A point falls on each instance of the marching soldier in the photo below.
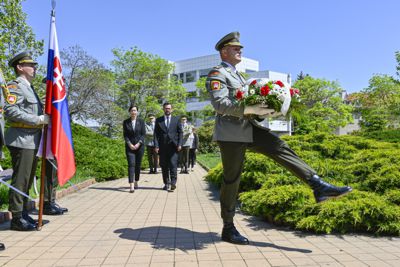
(235, 133)
(24, 111)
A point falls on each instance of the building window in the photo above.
(182, 77)
(190, 76)
(249, 71)
(204, 72)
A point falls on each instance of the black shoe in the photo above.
(231, 235)
(324, 191)
(61, 208)
(165, 187)
(20, 224)
(51, 209)
(28, 218)
(2, 247)
(173, 187)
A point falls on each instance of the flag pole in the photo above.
(44, 148)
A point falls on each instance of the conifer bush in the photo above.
(369, 166)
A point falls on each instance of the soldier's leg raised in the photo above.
(272, 146)
(232, 155)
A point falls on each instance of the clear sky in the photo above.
(340, 40)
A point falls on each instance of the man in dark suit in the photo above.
(168, 142)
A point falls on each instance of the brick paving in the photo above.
(108, 226)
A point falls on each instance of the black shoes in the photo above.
(2, 247)
(324, 191)
(166, 187)
(20, 224)
(28, 218)
(231, 235)
(50, 208)
(173, 187)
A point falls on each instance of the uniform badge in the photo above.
(214, 73)
(215, 85)
(11, 99)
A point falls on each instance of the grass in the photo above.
(209, 160)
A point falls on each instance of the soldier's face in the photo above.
(27, 69)
(232, 54)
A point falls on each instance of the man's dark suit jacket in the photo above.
(163, 136)
(134, 136)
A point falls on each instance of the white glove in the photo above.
(258, 109)
(44, 119)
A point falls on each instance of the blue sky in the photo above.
(340, 40)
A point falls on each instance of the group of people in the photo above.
(165, 138)
(170, 141)
(23, 110)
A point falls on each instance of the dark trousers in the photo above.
(152, 157)
(184, 157)
(134, 158)
(24, 163)
(51, 182)
(168, 163)
(192, 157)
(232, 154)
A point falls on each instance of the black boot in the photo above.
(28, 218)
(61, 208)
(2, 247)
(20, 224)
(50, 209)
(231, 235)
(324, 191)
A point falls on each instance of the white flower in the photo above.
(252, 92)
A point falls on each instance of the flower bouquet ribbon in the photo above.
(266, 98)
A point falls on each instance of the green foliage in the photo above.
(369, 166)
(325, 109)
(392, 136)
(15, 35)
(205, 134)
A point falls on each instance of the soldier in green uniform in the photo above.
(50, 207)
(24, 111)
(235, 133)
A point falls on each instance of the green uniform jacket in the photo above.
(230, 125)
(23, 107)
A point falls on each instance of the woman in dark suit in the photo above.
(134, 133)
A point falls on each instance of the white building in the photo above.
(190, 70)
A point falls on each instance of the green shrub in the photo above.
(205, 134)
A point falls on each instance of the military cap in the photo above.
(24, 57)
(229, 39)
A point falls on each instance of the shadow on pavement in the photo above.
(171, 238)
(124, 188)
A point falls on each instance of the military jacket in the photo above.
(22, 110)
(149, 137)
(230, 124)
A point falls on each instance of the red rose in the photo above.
(279, 83)
(239, 95)
(294, 91)
(264, 90)
(253, 82)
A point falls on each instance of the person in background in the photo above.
(235, 133)
(184, 153)
(24, 112)
(152, 156)
(134, 133)
(194, 144)
(168, 143)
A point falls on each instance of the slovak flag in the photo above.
(57, 107)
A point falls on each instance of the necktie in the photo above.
(167, 122)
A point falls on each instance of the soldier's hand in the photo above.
(44, 119)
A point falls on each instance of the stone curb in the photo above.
(6, 215)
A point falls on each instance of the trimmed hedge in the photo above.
(369, 166)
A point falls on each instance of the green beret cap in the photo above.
(229, 39)
(24, 57)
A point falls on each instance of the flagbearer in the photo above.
(50, 206)
(24, 112)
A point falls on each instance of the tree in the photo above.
(91, 90)
(145, 79)
(380, 106)
(15, 35)
(325, 109)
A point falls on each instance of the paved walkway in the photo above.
(107, 226)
